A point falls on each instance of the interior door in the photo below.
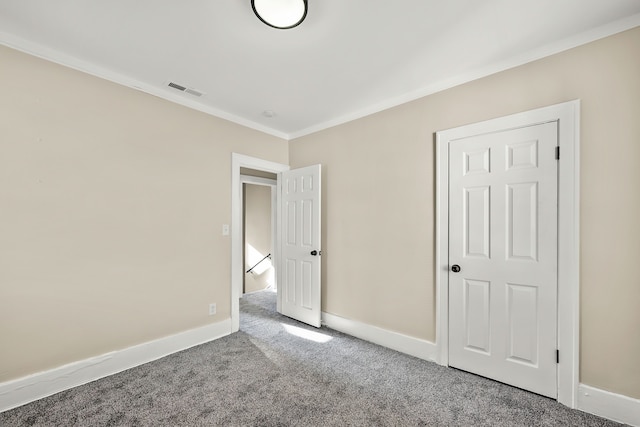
(503, 256)
(299, 273)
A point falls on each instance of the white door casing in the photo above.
(503, 238)
(300, 260)
(567, 115)
(239, 161)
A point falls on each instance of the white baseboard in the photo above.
(616, 407)
(416, 347)
(21, 391)
(33, 387)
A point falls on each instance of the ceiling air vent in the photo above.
(188, 90)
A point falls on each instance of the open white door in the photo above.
(299, 270)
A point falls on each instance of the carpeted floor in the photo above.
(277, 372)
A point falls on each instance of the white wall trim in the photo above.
(616, 407)
(248, 179)
(416, 347)
(496, 67)
(33, 387)
(72, 62)
(242, 161)
(568, 116)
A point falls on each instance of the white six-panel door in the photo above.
(503, 237)
(299, 273)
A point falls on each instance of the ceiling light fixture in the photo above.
(281, 14)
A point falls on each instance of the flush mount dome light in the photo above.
(281, 14)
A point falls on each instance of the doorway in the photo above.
(258, 231)
(297, 239)
(241, 162)
(565, 118)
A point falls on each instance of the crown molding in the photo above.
(72, 62)
(515, 61)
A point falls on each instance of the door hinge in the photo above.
(557, 356)
(558, 152)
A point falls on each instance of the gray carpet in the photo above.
(266, 376)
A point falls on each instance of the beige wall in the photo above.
(111, 203)
(378, 218)
(257, 235)
(111, 207)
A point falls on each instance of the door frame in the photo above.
(567, 115)
(242, 161)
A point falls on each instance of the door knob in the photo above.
(455, 268)
(314, 252)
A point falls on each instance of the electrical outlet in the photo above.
(212, 309)
(225, 229)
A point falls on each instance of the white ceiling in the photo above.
(349, 58)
